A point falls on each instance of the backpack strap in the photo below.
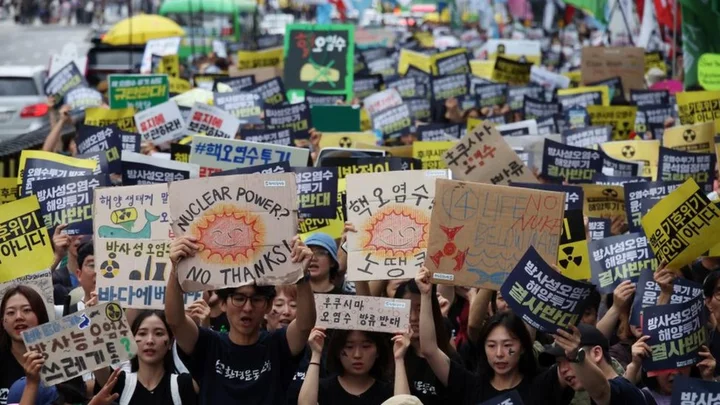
(129, 388)
(175, 390)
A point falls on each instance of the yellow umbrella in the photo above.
(143, 27)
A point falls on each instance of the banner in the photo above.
(80, 343)
(599, 228)
(40, 165)
(691, 138)
(244, 227)
(68, 201)
(619, 258)
(647, 294)
(138, 91)
(356, 312)
(161, 123)
(478, 232)
(295, 117)
(575, 165)
(108, 139)
(587, 137)
(542, 297)
(124, 118)
(132, 212)
(140, 169)
(317, 191)
(212, 121)
(41, 282)
(392, 216)
(218, 154)
(678, 166)
(25, 246)
(281, 137)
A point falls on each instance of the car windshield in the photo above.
(17, 86)
(109, 57)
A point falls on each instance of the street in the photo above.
(33, 45)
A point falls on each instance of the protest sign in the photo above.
(41, 165)
(206, 81)
(134, 272)
(8, 189)
(317, 190)
(60, 84)
(478, 232)
(132, 212)
(407, 87)
(573, 194)
(95, 139)
(382, 101)
(85, 341)
(547, 125)
(489, 94)
(649, 97)
(621, 118)
(392, 216)
(333, 227)
(246, 107)
(599, 63)
(180, 153)
(449, 86)
(365, 86)
(573, 257)
(437, 132)
(319, 58)
(69, 53)
(677, 166)
(124, 118)
(691, 138)
(587, 137)
(216, 154)
(356, 312)
(430, 153)
(695, 107)
(636, 192)
(482, 68)
(244, 227)
(81, 98)
(516, 95)
(101, 163)
(647, 293)
(620, 258)
(526, 127)
(535, 108)
(681, 225)
(650, 120)
(138, 91)
(420, 109)
(41, 282)
(485, 157)
(25, 245)
(676, 333)
(583, 97)
(280, 167)
(547, 79)
(410, 59)
(141, 169)
(708, 73)
(346, 139)
(647, 152)
(159, 47)
(574, 164)
(393, 122)
(169, 65)
(295, 117)
(161, 123)
(506, 398)
(212, 121)
(574, 117)
(690, 391)
(259, 59)
(281, 137)
(324, 99)
(603, 201)
(541, 296)
(353, 165)
(615, 88)
(511, 71)
(68, 201)
(599, 228)
(236, 84)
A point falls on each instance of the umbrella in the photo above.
(141, 28)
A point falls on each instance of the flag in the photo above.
(594, 7)
(699, 33)
(664, 12)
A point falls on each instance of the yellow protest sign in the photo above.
(511, 71)
(575, 78)
(332, 227)
(411, 58)
(430, 153)
(647, 152)
(170, 65)
(482, 68)
(124, 118)
(365, 123)
(8, 189)
(603, 201)
(655, 60)
(472, 123)
(425, 39)
(603, 90)
(445, 54)
(179, 86)
(573, 254)
(55, 161)
(708, 71)
(692, 138)
(621, 118)
(346, 139)
(272, 57)
(682, 226)
(25, 245)
(698, 106)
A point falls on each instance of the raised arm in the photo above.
(183, 327)
(300, 328)
(665, 277)
(621, 304)
(309, 391)
(640, 350)
(478, 313)
(401, 342)
(589, 374)
(439, 361)
(32, 365)
(51, 142)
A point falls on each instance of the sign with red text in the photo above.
(212, 121)
(160, 124)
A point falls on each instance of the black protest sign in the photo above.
(511, 71)
(420, 109)
(453, 64)
(246, 107)
(588, 136)
(385, 67)
(279, 167)
(348, 165)
(605, 180)
(364, 86)
(81, 98)
(141, 169)
(317, 191)
(574, 196)
(676, 333)
(101, 159)
(647, 293)
(649, 97)
(694, 391)
(636, 192)
(438, 132)
(374, 54)
(68, 201)
(64, 80)
(393, 122)
(650, 119)
(237, 83)
(615, 87)
(542, 297)
(274, 136)
(101, 139)
(580, 99)
(180, 153)
(516, 95)
(489, 95)
(468, 102)
(408, 87)
(575, 117)
(535, 108)
(621, 168)
(547, 125)
(619, 258)
(295, 117)
(43, 169)
(506, 398)
(599, 228)
(269, 41)
(576, 165)
(423, 78)
(678, 166)
(129, 141)
(270, 91)
(359, 64)
(449, 86)
(323, 99)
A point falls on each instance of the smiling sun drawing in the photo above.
(227, 235)
(396, 231)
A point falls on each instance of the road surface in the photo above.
(33, 44)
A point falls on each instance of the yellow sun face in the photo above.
(227, 235)
(396, 231)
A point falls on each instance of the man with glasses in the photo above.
(247, 365)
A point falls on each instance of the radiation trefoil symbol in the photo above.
(628, 151)
(569, 258)
(450, 249)
(109, 268)
(689, 135)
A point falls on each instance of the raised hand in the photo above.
(640, 350)
(182, 247)
(422, 279)
(316, 341)
(401, 342)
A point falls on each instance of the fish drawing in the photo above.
(107, 231)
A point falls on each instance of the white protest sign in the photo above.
(227, 154)
(547, 79)
(159, 47)
(160, 124)
(41, 282)
(357, 312)
(219, 48)
(212, 121)
(382, 101)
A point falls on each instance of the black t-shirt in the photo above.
(623, 392)
(220, 323)
(10, 371)
(422, 380)
(226, 372)
(162, 394)
(331, 392)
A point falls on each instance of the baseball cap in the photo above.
(324, 241)
(589, 336)
(45, 395)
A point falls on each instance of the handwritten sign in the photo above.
(708, 71)
(620, 258)
(219, 154)
(41, 282)
(161, 123)
(356, 312)
(132, 212)
(599, 63)
(80, 343)
(24, 241)
(244, 226)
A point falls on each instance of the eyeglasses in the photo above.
(256, 301)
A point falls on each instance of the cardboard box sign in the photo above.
(357, 312)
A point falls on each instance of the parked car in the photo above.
(23, 104)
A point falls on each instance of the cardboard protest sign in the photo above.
(574, 164)
(599, 228)
(437, 132)
(647, 152)
(141, 169)
(246, 107)
(159, 47)
(244, 226)
(587, 137)
(60, 84)
(583, 97)
(295, 117)
(621, 118)
(620, 258)
(132, 212)
(138, 91)
(317, 190)
(134, 272)
(8, 189)
(25, 246)
(236, 84)
(356, 312)
(258, 59)
(677, 166)
(346, 139)
(281, 137)
(599, 63)
(319, 57)
(80, 343)
(393, 122)
(161, 123)
(478, 232)
(212, 121)
(216, 154)
(691, 138)
(95, 139)
(676, 333)
(430, 153)
(39, 165)
(68, 201)
(681, 225)
(542, 297)
(647, 293)
(280, 167)
(649, 97)
(688, 391)
(485, 157)
(506, 398)
(603, 201)
(124, 118)
(636, 192)
(392, 216)
(41, 282)
(449, 86)
(695, 107)
(511, 71)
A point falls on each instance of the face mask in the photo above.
(556, 48)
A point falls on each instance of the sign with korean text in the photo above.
(212, 121)
(138, 91)
(68, 201)
(356, 312)
(317, 190)
(650, 120)
(449, 86)
(39, 165)
(646, 152)
(383, 100)
(649, 97)
(636, 192)
(41, 282)
(141, 169)
(677, 166)
(271, 92)
(60, 84)
(295, 117)
(364, 86)
(333, 227)
(647, 293)
(431, 153)
(687, 390)
(573, 257)
(96, 139)
(437, 132)
(619, 258)
(490, 95)
(452, 64)
(393, 122)
(236, 84)
(621, 118)
(574, 164)
(511, 71)
(123, 118)
(536, 108)
(159, 47)
(80, 98)
(603, 201)
(280, 167)
(698, 106)
(272, 57)
(246, 107)
(25, 245)
(516, 95)
(132, 212)
(8, 189)
(161, 123)
(407, 87)
(691, 138)
(583, 97)
(588, 136)
(281, 137)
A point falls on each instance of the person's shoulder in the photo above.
(622, 389)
